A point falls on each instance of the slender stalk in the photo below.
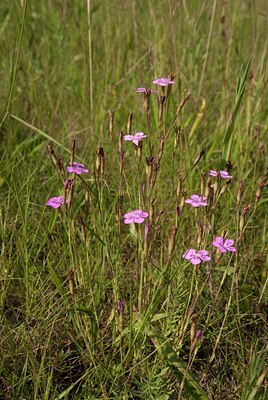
(89, 23)
(15, 69)
(207, 48)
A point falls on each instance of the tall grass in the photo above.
(91, 307)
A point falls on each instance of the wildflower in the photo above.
(144, 90)
(135, 138)
(163, 82)
(56, 202)
(137, 216)
(224, 245)
(76, 168)
(196, 257)
(196, 201)
(223, 174)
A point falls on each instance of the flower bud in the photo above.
(171, 242)
(129, 122)
(111, 122)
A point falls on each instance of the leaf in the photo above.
(93, 322)
(223, 268)
(157, 317)
(42, 133)
(256, 373)
(179, 368)
(229, 133)
(198, 118)
(85, 310)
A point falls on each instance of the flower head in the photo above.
(76, 168)
(135, 138)
(196, 257)
(56, 202)
(136, 216)
(224, 245)
(163, 82)
(196, 201)
(223, 174)
(145, 90)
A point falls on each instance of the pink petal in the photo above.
(141, 90)
(138, 220)
(195, 260)
(219, 240)
(163, 81)
(213, 173)
(225, 175)
(140, 135)
(128, 215)
(188, 201)
(128, 221)
(221, 248)
(195, 204)
(137, 212)
(195, 197)
(55, 202)
(232, 249)
(229, 242)
(144, 214)
(129, 138)
(189, 254)
(203, 254)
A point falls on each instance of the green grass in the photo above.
(63, 66)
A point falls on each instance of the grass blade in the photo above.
(179, 368)
(230, 130)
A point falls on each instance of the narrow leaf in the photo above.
(179, 369)
(230, 130)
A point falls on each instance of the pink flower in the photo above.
(136, 216)
(163, 82)
(135, 138)
(56, 202)
(196, 201)
(76, 168)
(224, 245)
(196, 257)
(223, 174)
(144, 90)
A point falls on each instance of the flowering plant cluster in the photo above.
(223, 245)
(138, 216)
(75, 168)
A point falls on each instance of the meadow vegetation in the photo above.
(169, 302)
